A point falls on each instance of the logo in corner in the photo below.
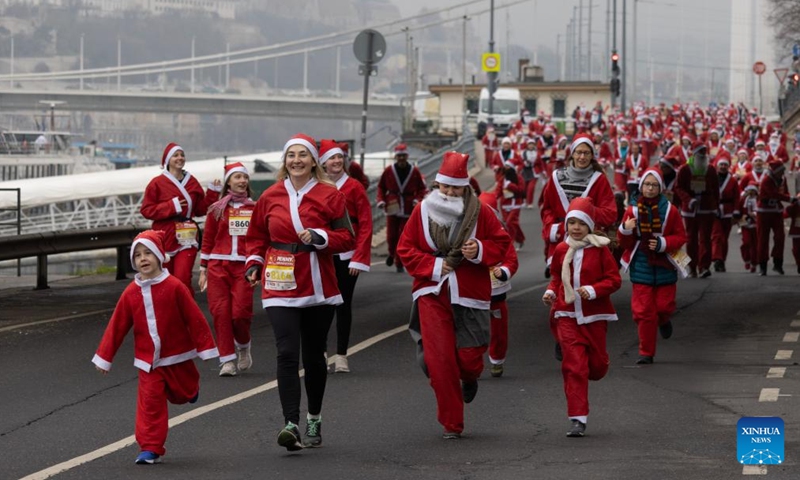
(759, 441)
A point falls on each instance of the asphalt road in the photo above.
(674, 419)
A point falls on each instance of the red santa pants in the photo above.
(720, 233)
(585, 358)
(651, 307)
(766, 222)
(511, 219)
(176, 384)
(447, 364)
(749, 247)
(498, 346)
(698, 245)
(530, 190)
(394, 228)
(181, 266)
(230, 300)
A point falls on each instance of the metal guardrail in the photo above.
(40, 245)
(13, 223)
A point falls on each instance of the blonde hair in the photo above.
(316, 170)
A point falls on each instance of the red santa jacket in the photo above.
(161, 204)
(593, 268)
(746, 211)
(555, 205)
(224, 238)
(490, 145)
(635, 167)
(514, 158)
(407, 193)
(469, 283)
(779, 153)
(357, 173)
(792, 212)
(360, 212)
(306, 276)
(770, 195)
(530, 159)
(672, 237)
(697, 193)
(680, 152)
(168, 326)
(752, 176)
(729, 194)
(740, 169)
(511, 194)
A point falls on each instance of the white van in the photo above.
(506, 109)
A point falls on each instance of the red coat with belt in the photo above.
(161, 204)
(699, 194)
(406, 193)
(280, 214)
(360, 212)
(729, 194)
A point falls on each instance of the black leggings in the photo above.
(344, 312)
(292, 327)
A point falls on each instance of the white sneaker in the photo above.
(245, 359)
(341, 364)
(228, 369)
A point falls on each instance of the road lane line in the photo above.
(754, 470)
(784, 354)
(51, 320)
(795, 323)
(769, 394)
(776, 372)
(192, 414)
(526, 290)
(791, 336)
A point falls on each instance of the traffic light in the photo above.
(615, 63)
(795, 79)
(615, 86)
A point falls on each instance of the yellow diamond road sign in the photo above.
(491, 62)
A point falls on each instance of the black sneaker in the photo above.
(644, 360)
(778, 268)
(389, 261)
(705, 273)
(722, 267)
(559, 354)
(547, 272)
(451, 435)
(289, 437)
(666, 330)
(469, 390)
(399, 268)
(718, 266)
(313, 437)
(578, 429)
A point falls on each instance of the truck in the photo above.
(506, 110)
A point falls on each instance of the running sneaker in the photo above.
(469, 390)
(341, 364)
(666, 330)
(577, 429)
(289, 437)
(313, 433)
(497, 370)
(245, 359)
(228, 369)
(147, 457)
(451, 435)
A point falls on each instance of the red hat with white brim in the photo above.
(454, 171)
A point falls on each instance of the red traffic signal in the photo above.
(796, 78)
(615, 57)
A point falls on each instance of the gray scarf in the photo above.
(450, 239)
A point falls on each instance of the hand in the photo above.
(446, 269)
(253, 275)
(104, 372)
(548, 298)
(497, 272)
(217, 182)
(470, 249)
(630, 223)
(305, 236)
(652, 244)
(202, 281)
(182, 202)
(354, 272)
(584, 294)
(381, 205)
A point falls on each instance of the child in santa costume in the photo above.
(349, 264)
(746, 214)
(448, 246)
(651, 231)
(792, 212)
(222, 260)
(169, 330)
(172, 200)
(585, 275)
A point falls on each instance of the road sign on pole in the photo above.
(490, 62)
(796, 50)
(781, 73)
(759, 68)
(369, 48)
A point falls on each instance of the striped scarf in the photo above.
(649, 219)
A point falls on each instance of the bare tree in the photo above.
(784, 16)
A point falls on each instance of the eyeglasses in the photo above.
(650, 185)
(583, 153)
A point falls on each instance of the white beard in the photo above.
(444, 210)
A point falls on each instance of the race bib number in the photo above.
(279, 272)
(698, 185)
(681, 260)
(392, 207)
(239, 220)
(634, 175)
(714, 151)
(496, 282)
(186, 233)
(508, 194)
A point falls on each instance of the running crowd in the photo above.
(655, 191)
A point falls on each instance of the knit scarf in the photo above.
(649, 219)
(590, 239)
(450, 245)
(218, 207)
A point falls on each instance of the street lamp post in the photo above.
(491, 76)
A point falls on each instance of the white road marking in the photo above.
(784, 354)
(190, 415)
(795, 323)
(526, 290)
(754, 470)
(776, 372)
(51, 320)
(769, 395)
(791, 336)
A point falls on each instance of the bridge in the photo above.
(198, 103)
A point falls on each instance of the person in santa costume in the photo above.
(400, 188)
(636, 163)
(792, 213)
(620, 158)
(532, 169)
(298, 225)
(756, 174)
(169, 331)
(349, 264)
(650, 233)
(491, 144)
(745, 214)
(742, 165)
(582, 178)
(222, 260)
(506, 154)
(511, 190)
(771, 192)
(681, 151)
(697, 187)
(729, 194)
(172, 200)
(448, 246)
(585, 274)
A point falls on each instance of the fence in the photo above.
(15, 223)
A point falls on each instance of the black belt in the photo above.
(293, 247)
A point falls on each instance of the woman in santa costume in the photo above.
(222, 260)
(298, 225)
(620, 171)
(349, 264)
(169, 331)
(650, 233)
(636, 163)
(585, 274)
(532, 169)
(582, 178)
(171, 201)
(745, 213)
(448, 246)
